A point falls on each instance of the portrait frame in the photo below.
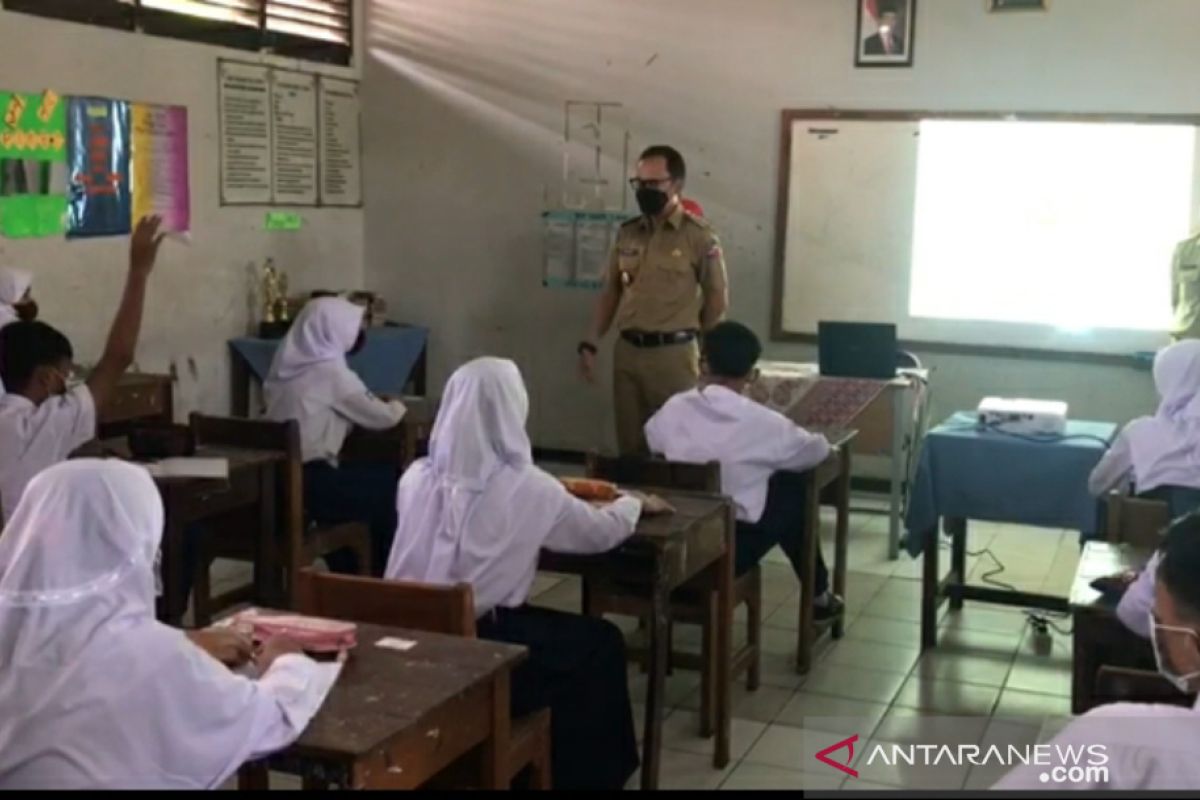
(875, 47)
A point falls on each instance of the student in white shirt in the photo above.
(1148, 747)
(41, 421)
(717, 422)
(311, 382)
(94, 693)
(478, 511)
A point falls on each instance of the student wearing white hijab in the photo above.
(311, 383)
(1158, 457)
(16, 300)
(1144, 747)
(478, 511)
(1163, 450)
(94, 693)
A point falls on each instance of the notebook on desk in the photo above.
(204, 468)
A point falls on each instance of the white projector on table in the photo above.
(1028, 417)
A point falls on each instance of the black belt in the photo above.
(644, 339)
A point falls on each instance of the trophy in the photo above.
(274, 302)
(271, 291)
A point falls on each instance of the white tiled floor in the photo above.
(988, 679)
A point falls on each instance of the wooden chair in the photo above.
(1136, 521)
(301, 543)
(1124, 685)
(694, 603)
(424, 607)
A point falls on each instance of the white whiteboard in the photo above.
(846, 244)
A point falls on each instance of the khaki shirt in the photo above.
(1185, 289)
(665, 273)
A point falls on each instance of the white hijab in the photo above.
(311, 363)
(1165, 448)
(14, 283)
(94, 693)
(480, 430)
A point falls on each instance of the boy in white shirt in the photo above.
(717, 422)
(41, 422)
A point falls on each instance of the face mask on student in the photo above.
(1182, 682)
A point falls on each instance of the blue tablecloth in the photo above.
(975, 474)
(385, 364)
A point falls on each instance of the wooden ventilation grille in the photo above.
(319, 20)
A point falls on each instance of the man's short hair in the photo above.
(25, 346)
(1179, 569)
(731, 350)
(676, 167)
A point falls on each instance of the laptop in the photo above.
(857, 349)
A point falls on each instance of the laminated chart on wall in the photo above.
(577, 247)
(160, 165)
(294, 138)
(99, 201)
(33, 164)
(341, 148)
(288, 138)
(244, 109)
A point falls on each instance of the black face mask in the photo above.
(27, 311)
(359, 344)
(652, 201)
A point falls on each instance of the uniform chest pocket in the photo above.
(629, 261)
(1189, 273)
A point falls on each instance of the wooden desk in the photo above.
(395, 719)
(138, 398)
(890, 425)
(829, 484)
(186, 501)
(664, 553)
(1098, 637)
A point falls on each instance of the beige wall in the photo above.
(464, 116)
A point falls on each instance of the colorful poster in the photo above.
(33, 153)
(159, 169)
(33, 127)
(99, 202)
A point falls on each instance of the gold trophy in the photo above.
(274, 302)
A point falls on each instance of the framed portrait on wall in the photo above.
(884, 33)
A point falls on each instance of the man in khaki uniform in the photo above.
(1185, 290)
(666, 284)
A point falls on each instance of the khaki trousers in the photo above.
(644, 378)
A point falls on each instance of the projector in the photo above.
(1028, 417)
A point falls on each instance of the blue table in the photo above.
(393, 358)
(968, 473)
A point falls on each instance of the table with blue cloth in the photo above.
(392, 363)
(967, 472)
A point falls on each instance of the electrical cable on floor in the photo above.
(1041, 620)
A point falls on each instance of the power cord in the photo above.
(1049, 438)
(1040, 620)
